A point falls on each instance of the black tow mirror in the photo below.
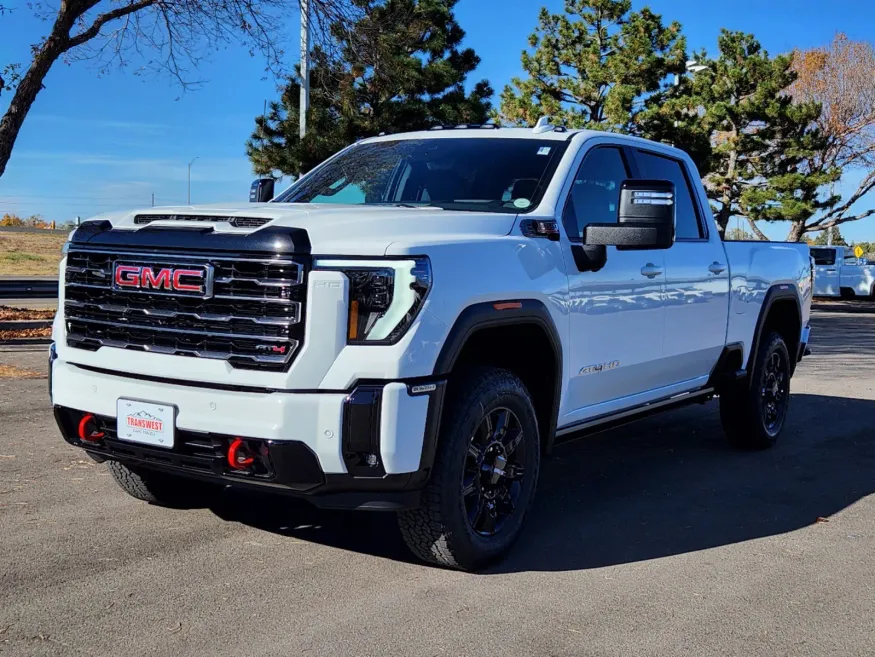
(261, 190)
(645, 218)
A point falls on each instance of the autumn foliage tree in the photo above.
(841, 78)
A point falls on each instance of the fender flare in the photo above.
(778, 292)
(497, 313)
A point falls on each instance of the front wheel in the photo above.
(160, 488)
(484, 477)
(753, 413)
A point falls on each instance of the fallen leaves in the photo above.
(13, 372)
(17, 334)
(12, 314)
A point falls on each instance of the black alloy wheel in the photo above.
(494, 471)
(775, 392)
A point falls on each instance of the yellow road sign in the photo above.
(858, 251)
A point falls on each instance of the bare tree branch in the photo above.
(103, 19)
(835, 222)
(867, 185)
(760, 234)
(169, 36)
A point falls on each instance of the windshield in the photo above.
(481, 174)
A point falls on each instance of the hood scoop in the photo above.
(237, 222)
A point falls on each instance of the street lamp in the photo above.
(692, 66)
(189, 179)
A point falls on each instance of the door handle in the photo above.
(651, 271)
(717, 268)
(830, 271)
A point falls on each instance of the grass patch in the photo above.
(30, 254)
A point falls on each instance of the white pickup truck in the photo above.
(414, 323)
(838, 273)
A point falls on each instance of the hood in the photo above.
(333, 229)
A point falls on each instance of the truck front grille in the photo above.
(253, 317)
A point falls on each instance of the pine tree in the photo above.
(761, 140)
(594, 66)
(822, 238)
(400, 68)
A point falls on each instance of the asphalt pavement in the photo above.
(653, 539)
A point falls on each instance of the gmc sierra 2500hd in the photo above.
(410, 326)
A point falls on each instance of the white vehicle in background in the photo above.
(838, 273)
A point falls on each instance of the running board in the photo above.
(612, 420)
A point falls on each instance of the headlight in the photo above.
(384, 296)
(66, 245)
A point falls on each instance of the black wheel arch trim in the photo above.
(777, 293)
(485, 315)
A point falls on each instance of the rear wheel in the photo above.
(160, 488)
(753, 412)
(484, 476)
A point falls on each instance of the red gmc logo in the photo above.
(161, 279)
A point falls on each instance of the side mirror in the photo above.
(645, 218)
(261, 190)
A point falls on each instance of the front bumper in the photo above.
(371, 447)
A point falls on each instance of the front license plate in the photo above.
(142, 422)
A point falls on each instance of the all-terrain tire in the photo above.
(440, 530)
(160, 488)
(744, 412)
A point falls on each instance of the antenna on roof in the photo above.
(543, 125)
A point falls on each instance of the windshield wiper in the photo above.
(407, 205)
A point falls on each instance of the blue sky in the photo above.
(92, 144)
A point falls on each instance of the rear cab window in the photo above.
(824, 256)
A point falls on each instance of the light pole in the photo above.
(691, 66)
(189, 179)
(305, 68)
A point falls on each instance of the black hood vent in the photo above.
(237, 222)
(270, 240)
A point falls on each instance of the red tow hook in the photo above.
(88, 429)
(237, 455)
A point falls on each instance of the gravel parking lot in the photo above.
(654, 539)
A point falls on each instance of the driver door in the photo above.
(617, 314)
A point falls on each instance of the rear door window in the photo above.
(687, 222)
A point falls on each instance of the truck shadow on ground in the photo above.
(660, 487)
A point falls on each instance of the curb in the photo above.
(25, 341)
(865, 309)
(18, 325)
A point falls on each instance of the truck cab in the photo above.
(413, 325)
(839, 273)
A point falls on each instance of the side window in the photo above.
(687, 224)
(595, 192)
(824, 256)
